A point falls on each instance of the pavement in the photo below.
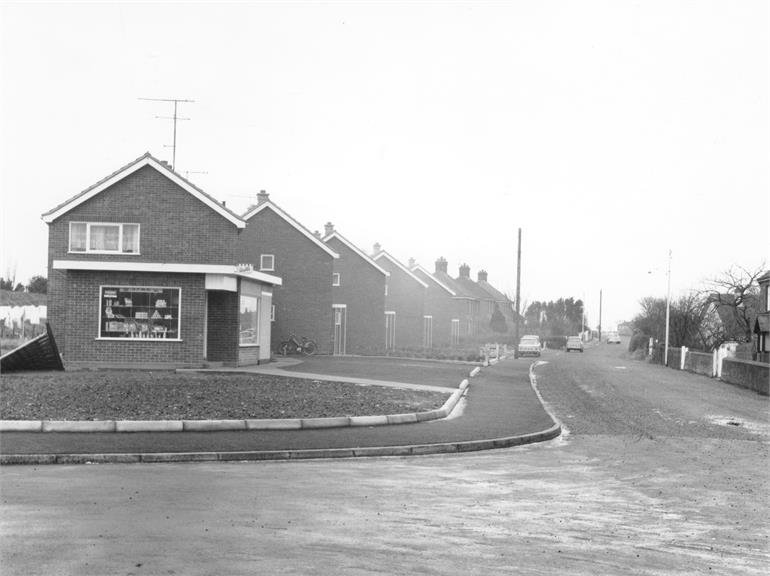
(499, 408)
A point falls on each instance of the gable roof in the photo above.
(145, 160)
(404, 269)
(459, 290)
(492, 291)
(291, 221)
(430, 276)
(355, 249)
(473, 288)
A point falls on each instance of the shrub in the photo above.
(556, 342)
(638, 341)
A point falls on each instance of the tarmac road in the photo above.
(649, 479)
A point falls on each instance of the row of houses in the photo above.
(146, 268)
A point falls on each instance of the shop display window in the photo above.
(139, 313)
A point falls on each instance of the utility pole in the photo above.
(175, 117)
(668, 302)
(600, 316)
(518, 296)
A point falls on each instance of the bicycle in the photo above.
(296, 345)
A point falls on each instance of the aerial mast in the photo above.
(175, 117)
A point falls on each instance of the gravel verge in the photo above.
(140, 395)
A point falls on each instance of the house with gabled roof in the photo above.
(486, 304)
(467, 304)
(405, 323)
(143, 271)
(762, 322)
(273, 242)
(358, 297)
(440, 308)
(500, 301)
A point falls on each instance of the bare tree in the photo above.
(734, 296)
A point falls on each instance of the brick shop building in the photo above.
(143, 271)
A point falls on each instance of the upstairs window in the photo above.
(267, 262)
(336, 279)
(104, 238)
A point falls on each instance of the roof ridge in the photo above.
(289, 218)
(355, 249)
(156, 164)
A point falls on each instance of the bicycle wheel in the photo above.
(309, 347)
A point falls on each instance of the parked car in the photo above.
(613, 338)
(574, 343)
(529, 345)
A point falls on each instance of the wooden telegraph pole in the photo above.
(518, 297)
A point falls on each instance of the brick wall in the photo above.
(362, 290)
(78, 324)
(407, 298)
(174, 225)
(303, 304)
(223, 325)
(439, 304)
(747, 374)
(248, 356)
(699, 363)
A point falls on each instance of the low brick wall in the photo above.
(699, 362)
(747, 374)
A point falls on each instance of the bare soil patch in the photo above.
(141, 395)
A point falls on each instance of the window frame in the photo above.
(262, 267)
(257, 314)
(336, 278)
(116, 287)
(121, 236)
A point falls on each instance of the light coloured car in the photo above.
(613, 338)
(574, 343)
(529, 345)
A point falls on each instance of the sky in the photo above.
(608, 132)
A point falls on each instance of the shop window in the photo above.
(139, 313)
(104, 238)
(249, 314)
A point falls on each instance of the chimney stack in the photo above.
(412, 263)
(377, 248)
(441, 265)
(328, 228)
(482, 274)
(465, 271)
(262, 197)
(317, 234)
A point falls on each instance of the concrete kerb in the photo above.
(398, 451)
(125, 426)
(362, 452)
